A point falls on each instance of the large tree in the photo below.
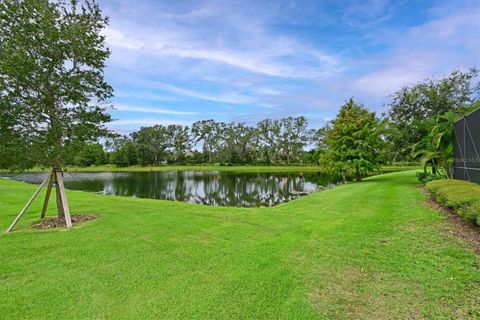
(122, 151)
(268, 133)
(152, 144)
(411, 106)
(237, 143)
(179, 142)
(353, 142)
(294, 137)
(53, 95)
(208, 133)
(283, 140)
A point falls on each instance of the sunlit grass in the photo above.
(368, 250)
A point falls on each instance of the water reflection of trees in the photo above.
(209, 187)
(216, 188)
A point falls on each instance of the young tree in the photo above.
(53, 96)
(353, 142)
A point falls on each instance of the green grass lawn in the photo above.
(368, 250)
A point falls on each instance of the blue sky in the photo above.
(182, 61)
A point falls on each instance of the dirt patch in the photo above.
(55, 222)
(458, 227)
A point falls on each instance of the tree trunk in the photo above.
(57, 161)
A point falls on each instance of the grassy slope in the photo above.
(363, 250)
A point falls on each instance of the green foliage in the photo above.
(425, 176)
(237, 144)
(471, 211)
(160, 145)
(151, 144)
(436, 148)
(208, 132)
(268, 133)
(461, 196)
(91, 154)
(53, 96)
(125, 154)
(272, 141)
(412, 106)
(179, 143)
(353, 142)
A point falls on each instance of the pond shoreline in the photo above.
(249, 168)
(215, 188)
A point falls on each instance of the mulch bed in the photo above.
(55, 222)
(458, 226)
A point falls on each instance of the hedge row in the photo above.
(461, 196)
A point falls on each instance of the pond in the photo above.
(203, 187)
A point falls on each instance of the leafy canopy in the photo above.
(412, 106)
(53, 96)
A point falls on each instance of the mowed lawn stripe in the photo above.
(362, 250)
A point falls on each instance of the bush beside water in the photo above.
(461, 196)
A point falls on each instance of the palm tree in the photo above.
(437, 148)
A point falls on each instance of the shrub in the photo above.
(471, 212)
(425, 177)
(461, 196)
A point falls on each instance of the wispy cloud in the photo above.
(268, 59)
(122, 107)
(135, 123)
(418, 54)
(233, 98)
(252, 59)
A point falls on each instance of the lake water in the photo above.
(203, 187)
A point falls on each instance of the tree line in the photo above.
(271, 141)
(54, 105)
(418, 127)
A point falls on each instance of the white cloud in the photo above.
(135, 123)
(431, 49)
(260, 56)
(266, 59)
(231, 97)
(122, 107)
(387, 81)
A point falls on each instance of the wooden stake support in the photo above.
(62, 203)
(63, 198)
(51, 180)
(26, 206)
